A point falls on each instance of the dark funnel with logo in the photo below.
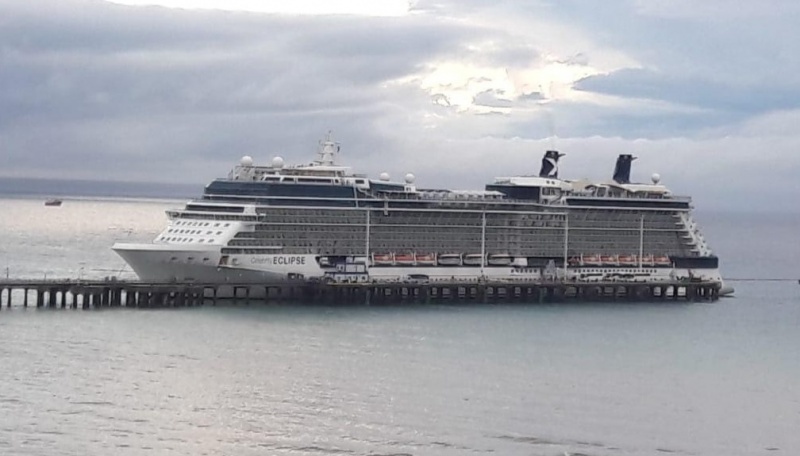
(622, 170)
(550, 164)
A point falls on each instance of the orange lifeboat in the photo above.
(404, 258)
(628, 260)
(382, 258)
(662, 260)
(592, 260)
(648, 260)
(425, 259)
(609, 260)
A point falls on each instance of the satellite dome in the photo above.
(410, 178)
(656, 178)
(384, 176)
(277, 162)
(246, 161)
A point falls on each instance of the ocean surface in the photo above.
(718, 378)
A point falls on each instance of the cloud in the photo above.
(701, 93)
(492, 99)
(460, 90)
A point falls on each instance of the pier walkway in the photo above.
(85, 294)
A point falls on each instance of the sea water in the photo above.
(719, 378)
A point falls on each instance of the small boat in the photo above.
(382, 258)
(473, 259)
(449, 259)
(592, 260)
(648, 260)
(662, 260)
(628, 260)
(500, 259)
(609, 260)
(425, 258)
(53, 202)
(404, 258)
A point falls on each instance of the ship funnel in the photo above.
(550, 164)
(622, 170)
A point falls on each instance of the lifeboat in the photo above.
(500, 259)
(648, 260)
(449, 259)
(592, 260)
(473, 259)
(382, 258)
(425, 258)
(404, 258)
(609, 260)
(628, 260)
(662, 260)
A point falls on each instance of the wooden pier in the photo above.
(81, 294)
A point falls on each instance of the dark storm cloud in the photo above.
(741, 98)
(717, 56)
(151, 59)
(112, 85)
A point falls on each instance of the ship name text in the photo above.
(280, 260)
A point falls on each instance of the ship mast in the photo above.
(327, 151)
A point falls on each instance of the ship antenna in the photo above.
(327, 150)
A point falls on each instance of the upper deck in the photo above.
(323, 182)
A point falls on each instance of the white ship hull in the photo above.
(206, 264)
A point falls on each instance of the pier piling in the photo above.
(86, 295)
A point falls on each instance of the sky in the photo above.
(707, 94)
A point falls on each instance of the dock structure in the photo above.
(81, 294)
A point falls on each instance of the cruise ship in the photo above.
(320, 221)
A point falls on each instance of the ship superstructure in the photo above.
(321, 221)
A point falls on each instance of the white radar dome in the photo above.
(277, 162)
(410, 178)
(384, 176)
(656, 178)
(246, 161)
